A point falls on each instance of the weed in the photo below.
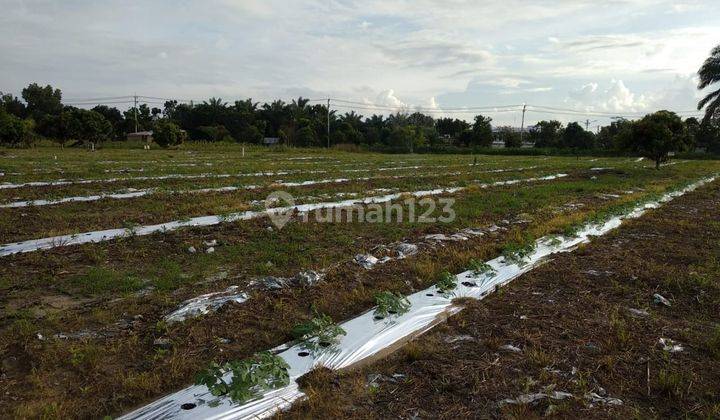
(539, 358)
(671, 383)
(250, 377)
(101, 280)
(84, 355)
(713, 343)
(389, 303)
(446, 283)
(170, 276)
(130, 227)
(619, 328)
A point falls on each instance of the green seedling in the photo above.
(321, 327)
(250, 377)
(518, 254)
(446, 282)
(479, 268)
(554, 241)
(389, 303)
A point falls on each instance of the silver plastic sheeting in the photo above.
(121, 196)
(143, 192)
(206, 303)
(367, 336)
(137, 178)
(110, 234)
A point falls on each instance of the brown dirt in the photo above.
(118, 367)
(573, 322)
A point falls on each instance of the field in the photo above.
(85, 329)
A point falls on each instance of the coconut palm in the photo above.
(709, 74)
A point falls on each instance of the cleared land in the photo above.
(587, 333)
(83, 329)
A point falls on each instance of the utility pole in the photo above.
(328, 123)
(522, 124)
(135, 112)
(587, 124)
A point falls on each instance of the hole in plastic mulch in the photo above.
(378, 317)
(429, 294)
(469, 284)
(303, 354)
(188, 406)
(324, 344)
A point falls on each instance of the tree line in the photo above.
(41, 114)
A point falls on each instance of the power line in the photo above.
(470, 108)
(107, 98)
(429, 111)
(369, 106)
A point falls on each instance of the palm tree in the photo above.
(709, 74)
(352, 118)
(215, 106)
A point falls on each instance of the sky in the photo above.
(603, 58)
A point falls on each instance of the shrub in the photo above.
(166, 134)
(14, 131)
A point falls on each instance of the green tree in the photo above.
(166, 133)
(14, 131)
(115, 118)
(12, 105)
(42, 100)
(87, 126)
(214, 133)
(306, 137)
(656, 135)
(509, 137)
(251, 134)
(710, 74)
(708, 135)
(546, 134)
(610, 135)
(482, 134)
(406, 138)
(143, 113)
(575, 137)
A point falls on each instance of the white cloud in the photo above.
(616, 97)
(388, 98)
(473, 52)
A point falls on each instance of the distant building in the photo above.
(145, 136)
(271, 141)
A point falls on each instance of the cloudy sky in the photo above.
(606, 57)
